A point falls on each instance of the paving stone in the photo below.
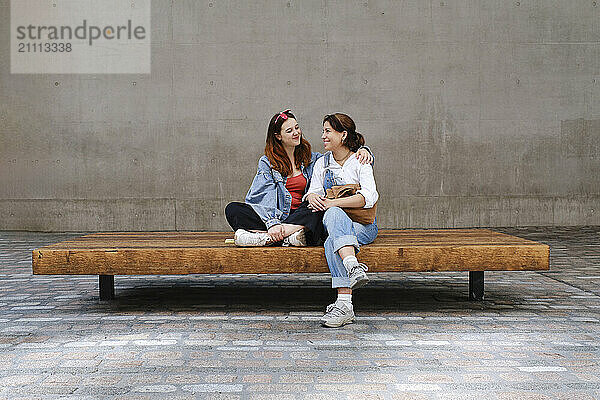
(212, 388)
(535, 336)
(410, 396)
(155, 389)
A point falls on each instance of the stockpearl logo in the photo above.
(79, 36)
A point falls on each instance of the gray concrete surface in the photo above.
(480, 113)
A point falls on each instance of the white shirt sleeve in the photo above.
(367, 185)
(316, 182)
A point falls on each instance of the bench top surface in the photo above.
(385, 238)
(165, 253)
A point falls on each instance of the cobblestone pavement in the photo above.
(536, 336)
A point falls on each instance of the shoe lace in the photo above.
(362, 266)
(257, 238)
(297, 238)
(334, 310)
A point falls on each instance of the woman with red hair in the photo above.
(273, 210)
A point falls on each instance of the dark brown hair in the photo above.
(276, 153)
(342, 122)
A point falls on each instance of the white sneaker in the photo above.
(338, 314)
(297, 238)
(245, 238)
(358, 277)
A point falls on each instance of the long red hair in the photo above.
(276, 153)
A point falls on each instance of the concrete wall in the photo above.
(480, 113)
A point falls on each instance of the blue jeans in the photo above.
(342, 232)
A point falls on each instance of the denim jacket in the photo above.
(268, 195)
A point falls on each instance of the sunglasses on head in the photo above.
(283, 115)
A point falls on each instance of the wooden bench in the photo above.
(174, 253)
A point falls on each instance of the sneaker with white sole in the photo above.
(338, 314)
(245, 238)
(358, 277)
(297, 239)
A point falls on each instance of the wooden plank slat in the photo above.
(173, 253)
(216, 239)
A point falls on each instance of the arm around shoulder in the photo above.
(367, 185)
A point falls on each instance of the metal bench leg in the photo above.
(475, 285)
(107, 287)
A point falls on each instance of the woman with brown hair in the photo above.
(273, 210)
(350, 221)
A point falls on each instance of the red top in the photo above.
(296, 186)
